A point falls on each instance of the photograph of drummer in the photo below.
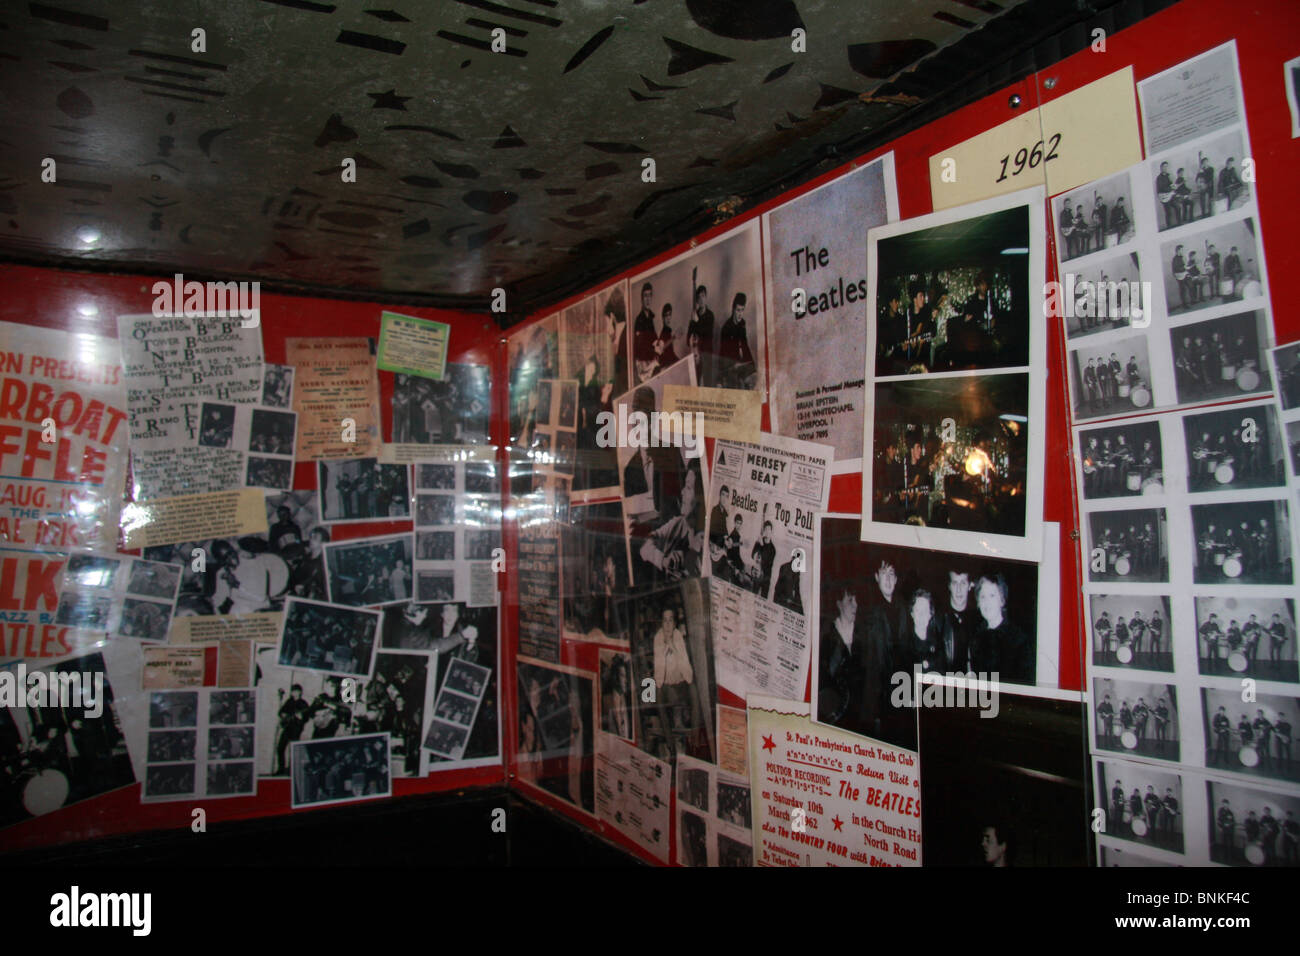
(1242, 542)
(1247, 636)
(1258, 736)
(1122, 460)
(1093, 217)
(1141, 804)
(1110, 378)
(1131, 630)
(1250, 827)
(1101, 312)
(1213, 267)
(1236, 448)
(1128, 546)
(1199, 182)
(1144, 721)
(1220, 358)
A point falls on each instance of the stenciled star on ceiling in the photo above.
(388, 101)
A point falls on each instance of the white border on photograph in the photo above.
(295, 749)
(374, 648)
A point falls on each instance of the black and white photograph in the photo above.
(88, 611)
(481, 478)
(1136, 717)
(480, 543)
(1239, 447)
(953, 454)
(232, 707)
(370, 571)
(617, 701)
(568, 413)
(1286, 359)
(1122, 461)
(469, 659)
(1253, 738)
(58, 755)
(435, 477)
(1216, 266)
(394, 701)
(1250, 827)
(363, 489)
(271, 473)
(734, 805)
(1141, 804)
(145, 620)
(340, 770)
(82, 571)
(435, 545)
(435, 509)
(1128, 547)
(556, 738)
(1094, 217)
(953, 291)
(444, 737)
(1012, 790)
(328, 637)
(453, 410)
(154, 579)
(171, 746)
(1132, 630)
(671, 645)
(230, 743)
(1247, 636)
(594, 353)
(1242, 542)
(692, 839)
(693, 786)
(1221, 358)
(1197, 182)
(168, 780)
(533, 354)
(168, 709)
(231, 779)
(706, 304)
(1293, 443)
(277, 386)
(216, 425)
(734, 852)
(433, 587)
(271, 432)
(1111, 378)
(1107, 301)
(595, 574)
(886, 609)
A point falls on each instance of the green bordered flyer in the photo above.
(413, 346)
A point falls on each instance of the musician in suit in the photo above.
(1105, 382)
(1210, 631)
(1104, 630)
(1277, 634)
(1178, 267)
(643, 332)
(1211, 268)
(1269, 830)
(1116, 805)
(1120, 224)
(1222, 727)
(1153, 806)
(1263, 730)
(665, 354)
(1091, 384)
(1229, 182)
(957, 624)
(1165, 193)
(1081, 230)
(1169, 814)
(1282, 731)
(1116, 371)
(1162, 722)
(1066, 223)
(1232, 268)
(1141, 714)
(764, 555)
(1106, 714)
(1227, 821)
(704, 328)
(1205, 186)
(718, 516)
(920, 326)
(1099, 222)
(1183, 192)
(1157, 626)
(1194, 277)
(736, 367)
(1251, 826)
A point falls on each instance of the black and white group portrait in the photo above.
(1248, 636)
(1102, 297)
(1094, 217)
(271, 432)
(216, 425)
(1215, 266)
(1242, 542)
(555, 733)
(1135, 717)
(1220, 358)
(340, 769)
(1121, 461)
(370, 571)
(954, 296)
(617, 702)
(1132, 630)
(1195, 183)
(1141, 804)
(363, 489)
(453, 410)
(1111, 378)
(1250, 827)
(1236, 448)
(326, 637)
(594, 574)
(1128, 546)
(1250, 737)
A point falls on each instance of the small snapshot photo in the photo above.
(1220, 358)
(277, 386)
(734, 852)
(232, 707)
(153, 579)
(480, 543)
(1137, 718)
(1122, 461)
(435, 587)
(92, 571)
(171, 746)
(435, 545)
(1131, 630)
(169, 780)
(145, 620)
(230, 743)
(1242, 542)
(231, 779)
(467, 678)
(271, 432)
(216, 425)
(173, 709)
(435, 509)
(328, 637)
(446, 739)
(340, 769)
(370, 571)
(1103, 295)
(363, 489)
(456, 709)
(1141, 804)
(1247, 636)
(1254, 737)
(1287, 358)
(1239, 447)
(1250, 827)
(86, 610)
(1095, 217)
(273, 473)
(1128, 546)
(433, 477)
(481, 478)
(693, 788)
(734, 804)
(1215, 267)
(617, 713)
(568, 405)
(1111, 379)
(692, 839)
(1198, 182)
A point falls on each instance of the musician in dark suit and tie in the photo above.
(643, 333)
(1205, 186)
(1229, 182)
(1091, 385)
(1067, 230)
(1099, 222)
(1232, 268)
(1178, 267)
(1120, 224)
(1165, 193)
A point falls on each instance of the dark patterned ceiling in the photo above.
(474, 169)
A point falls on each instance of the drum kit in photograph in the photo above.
(1248, 756)
(1139, 826)
(1237, 661)
(1125, 654)
(1129, 739)
(44, 792)
(1255, 853)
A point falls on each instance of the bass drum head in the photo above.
(1232, 566)
(1248, 756)
(1224, 474)
(1252, 289)
(1124, 565)
(1237, 661)
(1248, 379)
(1254, 854)
(1141, 397)
(45, 792)
(1129, 740)
(1124, 654)
(1153, 486)
(1139, 827)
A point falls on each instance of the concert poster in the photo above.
(956, 353)
(816, 245)
(336, 381)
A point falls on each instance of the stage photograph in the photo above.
(1132, 630)
(1242, 542)
(1122, 461)
(1221, 358)
(1192, 183)
(1253, 738)
(1142, 804)
(1136, 718)
(1110, 379)
(1094, 217)
(1250, 827)
(1236, 448)
(1216, 266)
(1251, 636)
(1128, 547)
